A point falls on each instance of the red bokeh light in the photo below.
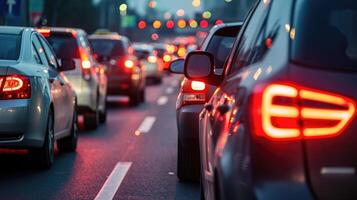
(218, 22)
(170, 24)
(204, 23)
(142, 24)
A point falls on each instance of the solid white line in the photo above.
(113, 182)
(162, 100)
(169, 90)
(147, 124)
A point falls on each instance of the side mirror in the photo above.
(199, 65)
(67, 65)
(177, 66)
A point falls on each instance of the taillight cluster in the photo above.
(286, 111)
(14, 87)
(193, 92)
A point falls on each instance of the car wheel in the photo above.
(70, 143)
(44, 156)
(135, 98)
(188, 167)
(202, 195)
(143, 96)
(91, 120)
(159, 80)
(103, 115)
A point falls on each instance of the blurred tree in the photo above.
(75, 13)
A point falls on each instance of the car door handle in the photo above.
(208, 107)
(223, 109)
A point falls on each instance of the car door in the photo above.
(219, 120)
(67, 92)
(57, 90)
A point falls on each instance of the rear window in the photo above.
(221, 45)
(326, 34)
(141, 54)
(108, 48)
(10, 46)
(66, 47)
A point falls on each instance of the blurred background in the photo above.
(140, 20)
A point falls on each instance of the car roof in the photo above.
(65, 30)
(12, 29)
(108, 37)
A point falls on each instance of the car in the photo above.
(88, 78)
(282, 123)
(164, 58)
(192, 97)
(149, 61)
(37, 103)
(125, 75)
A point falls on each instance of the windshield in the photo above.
(10, 46)
(66, 47)
(326, 37)
(108, 48)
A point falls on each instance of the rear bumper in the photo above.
(21, 124)
(187, 123)
(122, 85)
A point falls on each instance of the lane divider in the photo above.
(114, 181)
(169, 90)
(162, 100)
(146, 125)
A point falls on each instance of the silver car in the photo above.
(88, 79)
(37, 104)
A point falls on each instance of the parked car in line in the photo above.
(37, 103)
(149, 61)
(192, 97)
(88, 79)
(282, 124)
(164, 57)
(125, 75)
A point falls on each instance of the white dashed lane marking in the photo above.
(114, 181)
(162, 100)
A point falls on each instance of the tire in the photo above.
(158, 80)
(135, 98)
(69, 143)
(44, 156)
(188, 163)
(143, 95)
(91, 120)
(202, 195)
(103, 115)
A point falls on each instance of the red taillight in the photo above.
(152, 59)
(15, 87)
(284, 111)
(129, 64)
(44, 32)
(198, 85)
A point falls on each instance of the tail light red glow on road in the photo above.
(284, 111)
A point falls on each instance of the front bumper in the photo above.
(22, 125)
(187, 122)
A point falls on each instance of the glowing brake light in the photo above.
(44, 32)
(86, 64)
(15, 87)
(283, 111)
(167, 58)
(152, 59)
(198, 86)
(129, 64)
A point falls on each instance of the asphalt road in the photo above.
(132, 156)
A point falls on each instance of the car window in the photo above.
(326, 38)
(245, 49)
(65, 46)
(40, 50)
(221, 44)
(49, 53)
(10, 46)
(35, 54)
(108, 48)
